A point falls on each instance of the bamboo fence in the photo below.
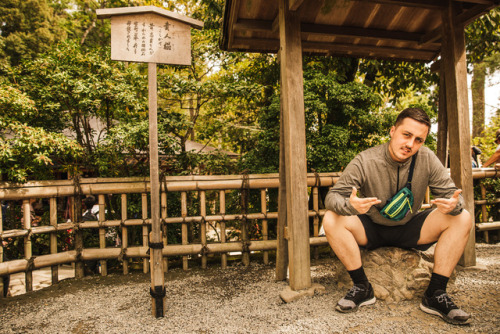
(192, 191)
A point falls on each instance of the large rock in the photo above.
(395, 274)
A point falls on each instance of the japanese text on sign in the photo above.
(150, 38)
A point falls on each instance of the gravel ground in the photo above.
(240, 300)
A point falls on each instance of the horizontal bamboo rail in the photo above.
(54, 190)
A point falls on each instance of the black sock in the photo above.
(438, 282)
(358, 276)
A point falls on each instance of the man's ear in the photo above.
(391, 132)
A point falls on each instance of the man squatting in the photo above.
(378, 173)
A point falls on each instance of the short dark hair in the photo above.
(414, 113)
(89, 202)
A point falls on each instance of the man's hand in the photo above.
(446, 205)
(362, 204)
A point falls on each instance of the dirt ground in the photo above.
(240, 300)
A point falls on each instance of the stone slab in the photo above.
(288, 295)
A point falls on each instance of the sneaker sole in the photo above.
(444, 317)
(354, 309)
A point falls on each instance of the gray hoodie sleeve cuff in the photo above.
(459, 208)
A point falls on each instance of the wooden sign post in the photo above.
(155, 36)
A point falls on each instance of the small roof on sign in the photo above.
(108, 12)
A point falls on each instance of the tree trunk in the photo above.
(477, 87)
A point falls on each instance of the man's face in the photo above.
(406, 139)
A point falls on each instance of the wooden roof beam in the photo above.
(429, 4)
(294, 5)
(371, 50)
(314, 29)
(234, 9)
(464, 18)
(376, 34)
(481, 2)
(348, 49)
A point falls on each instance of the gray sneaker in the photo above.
(358, 296)
(440, 304)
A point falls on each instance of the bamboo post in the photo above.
(53, 237)
(203, 228)
(102, 233)
(245, 254)
(265, 234)
(316, 218)
(484, 212)
(28, 252)
(124, 233)
(184, 228)
(457, 104)
(76, 217)
(145, 230)
(164, 215)
(222, 207)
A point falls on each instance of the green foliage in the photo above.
(342, 119)
(27, 151)
(72, 87)
(29, 27)
(483, 37)
(486, 142)
(395, 79)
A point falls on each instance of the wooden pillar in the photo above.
(292, 99)
(442, 135)
(453, 57)
(282, 243)
(156, 239)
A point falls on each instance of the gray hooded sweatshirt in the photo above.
(375, 174)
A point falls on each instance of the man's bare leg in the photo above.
(345, 234)
(451, 234)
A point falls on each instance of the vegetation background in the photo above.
(66, 109)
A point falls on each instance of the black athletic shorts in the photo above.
(402, 236)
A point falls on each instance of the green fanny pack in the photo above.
(399, 205)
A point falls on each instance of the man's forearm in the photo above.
(494, 158)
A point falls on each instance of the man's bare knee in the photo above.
(331, 221)
(464, 221)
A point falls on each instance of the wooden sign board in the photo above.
(150, 38)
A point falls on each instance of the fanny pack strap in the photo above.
(410, 174)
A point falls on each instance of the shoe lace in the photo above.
(444, 298)
(354, 290)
